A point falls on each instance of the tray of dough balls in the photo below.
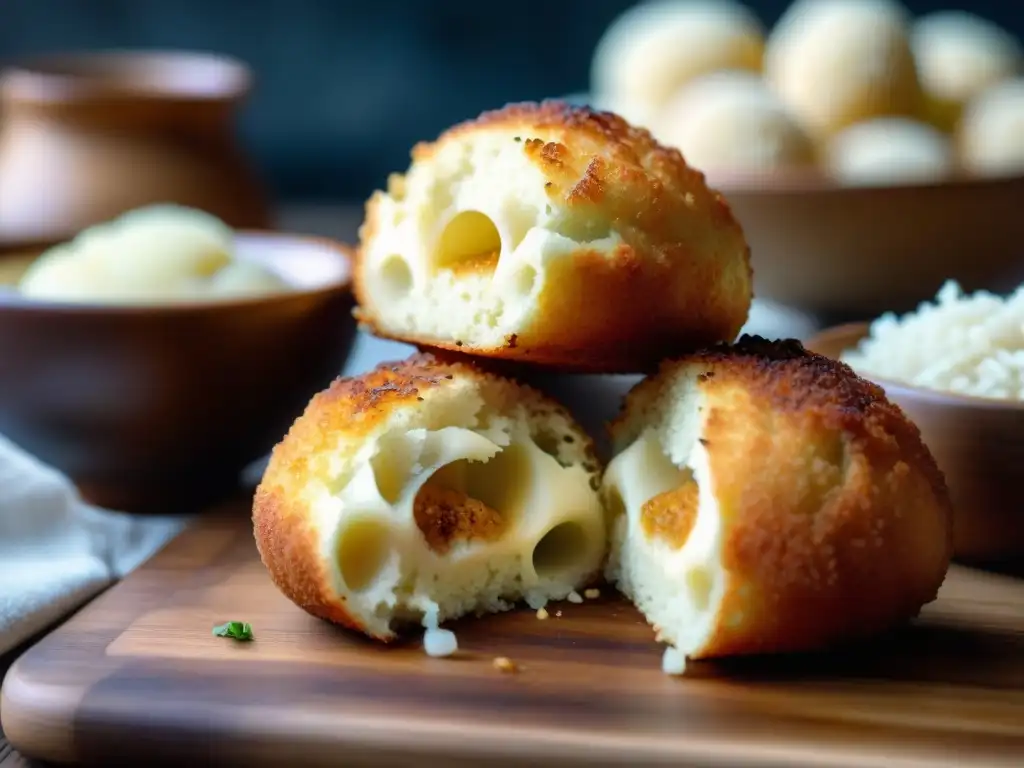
(871, 154)
(572, 521)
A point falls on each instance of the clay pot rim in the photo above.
(89, 76)
(848, 334)
(335, 249)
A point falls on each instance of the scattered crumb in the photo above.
(574, 597)
(673, 662)
(592, 594)
(505, 664)
(558, 614)
(542, 613)
(440, 642)
(536, 601)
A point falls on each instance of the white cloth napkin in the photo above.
(56, 551)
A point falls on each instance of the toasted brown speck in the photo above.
(670, 516)
(445, 516)
(505, 665)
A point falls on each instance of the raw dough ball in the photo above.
(959, 55)
(838, 62)
(427, 490)
(766, 499)
(552, 235)
(889, 150)
(656, 47)
(731, 121)
(991, 135)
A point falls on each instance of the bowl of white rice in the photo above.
(955, 365)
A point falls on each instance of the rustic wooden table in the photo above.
(338, 221)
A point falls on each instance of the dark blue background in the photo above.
(344, 88)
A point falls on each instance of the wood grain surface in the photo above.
(138, 676)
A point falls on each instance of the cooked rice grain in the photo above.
(970, 344)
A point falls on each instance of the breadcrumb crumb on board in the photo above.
(673, 662)
(505, 665)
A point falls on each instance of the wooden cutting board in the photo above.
(138, 676)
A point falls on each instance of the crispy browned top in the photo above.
(587, 152)
(788, 377)
(547, 115)
(355, 406)
(612, 174)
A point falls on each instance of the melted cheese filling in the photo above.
(551, 533)
(678, 589)
(456, 256)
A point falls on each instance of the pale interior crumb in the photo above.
(542, 613)
(592, 594)
(673, 662)
(440, 642)
(678, 588)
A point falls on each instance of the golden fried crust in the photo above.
(355, 407)
(670, 516)
(289, 549)
(286, 541)
(837, 519)
(680, 280)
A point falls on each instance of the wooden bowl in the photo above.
(978, 443)
(159, 408)
(850, 253)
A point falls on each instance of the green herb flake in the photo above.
(236, 630)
